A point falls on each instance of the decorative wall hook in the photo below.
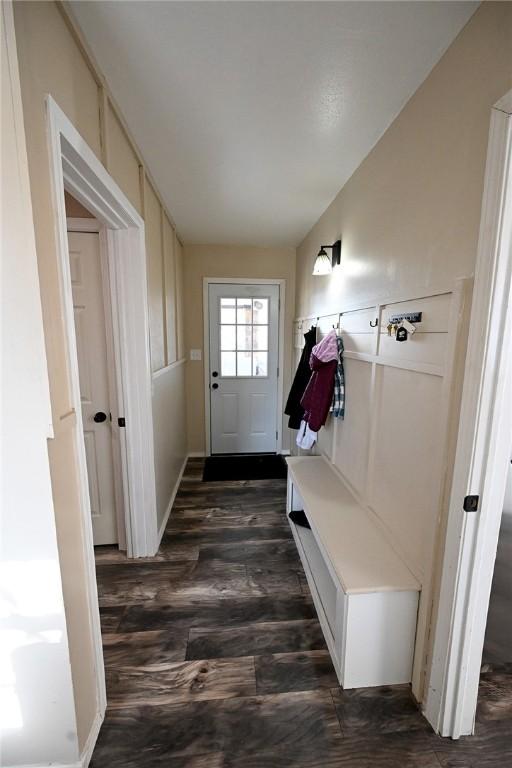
(375, 324)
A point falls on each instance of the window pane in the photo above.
(227, 337)
(260, 337)
(244, 337)
(260, 364)
(244, 311)
(227, 311)
(260, 307)
(228, 363)
(244, 363)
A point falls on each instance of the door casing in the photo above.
(206, 347)
(74, 166)
(482, 454)
(94, 226)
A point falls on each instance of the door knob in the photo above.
(99, 417)
(215, 386)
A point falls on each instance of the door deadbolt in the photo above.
(215, 386)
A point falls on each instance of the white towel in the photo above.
(306, 438)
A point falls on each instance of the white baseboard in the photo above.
(171, 501)
(285, 452)
(85, 757)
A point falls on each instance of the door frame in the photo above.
(482, 454)
(74, 166)
(281, 283)
(75, 224)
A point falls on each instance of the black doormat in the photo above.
(260, 466)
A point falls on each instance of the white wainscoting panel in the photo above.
(391, 447)
(352, 435)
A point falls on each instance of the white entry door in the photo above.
(86, 281)
(244, 344)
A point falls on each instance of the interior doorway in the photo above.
(97, 373)
(242, 338)
(484, 446)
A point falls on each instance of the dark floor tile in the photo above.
(138, 649)
(272, 581)
(385, 709)
(495, 695)
(258, 494)
(184, 681)
(262, 554)
(256, 639)
(304, 584)
(303, 671)
(216, 612)
(171, 551)
(490, 747)
(225, 535)
(150, 737)
(160, 582)
(110, 618)
(413, 749)
(211, 760)
(300, 723)
(285, 758)
(219, 517)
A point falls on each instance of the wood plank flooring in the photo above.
(215, 658)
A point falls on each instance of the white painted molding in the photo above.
(82, 225)
(483, 452)
(161, 530)
(413, 295)
(85, 757)
(168, 368)
(75, 167)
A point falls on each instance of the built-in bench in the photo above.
(365, 596)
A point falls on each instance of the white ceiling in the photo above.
(251, 116)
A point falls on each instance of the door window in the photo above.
(244, 337)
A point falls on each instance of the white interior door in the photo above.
(244, 344)
(89, 311)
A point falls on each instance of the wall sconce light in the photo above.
(323, 264)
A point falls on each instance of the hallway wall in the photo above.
(54, 59)
(409, 220)
(229, 261)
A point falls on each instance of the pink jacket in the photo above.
(317, 398)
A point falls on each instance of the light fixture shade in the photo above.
(323, 264)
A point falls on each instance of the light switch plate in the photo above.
(196, 354)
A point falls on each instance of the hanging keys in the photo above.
(402, 334)
(390, 327)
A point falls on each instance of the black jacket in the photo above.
(293, 407)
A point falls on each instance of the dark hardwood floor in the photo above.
(215, 658)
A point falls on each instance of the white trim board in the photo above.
(281, 282)
(161, 530)
(74, 166)
(483, 452)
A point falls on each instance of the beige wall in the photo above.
(228, 261)
(53, 60)
(409, 215)
(409, 220)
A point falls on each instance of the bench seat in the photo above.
(366, 597)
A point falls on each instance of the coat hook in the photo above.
(375, 324)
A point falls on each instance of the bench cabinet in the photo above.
(365, 596)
